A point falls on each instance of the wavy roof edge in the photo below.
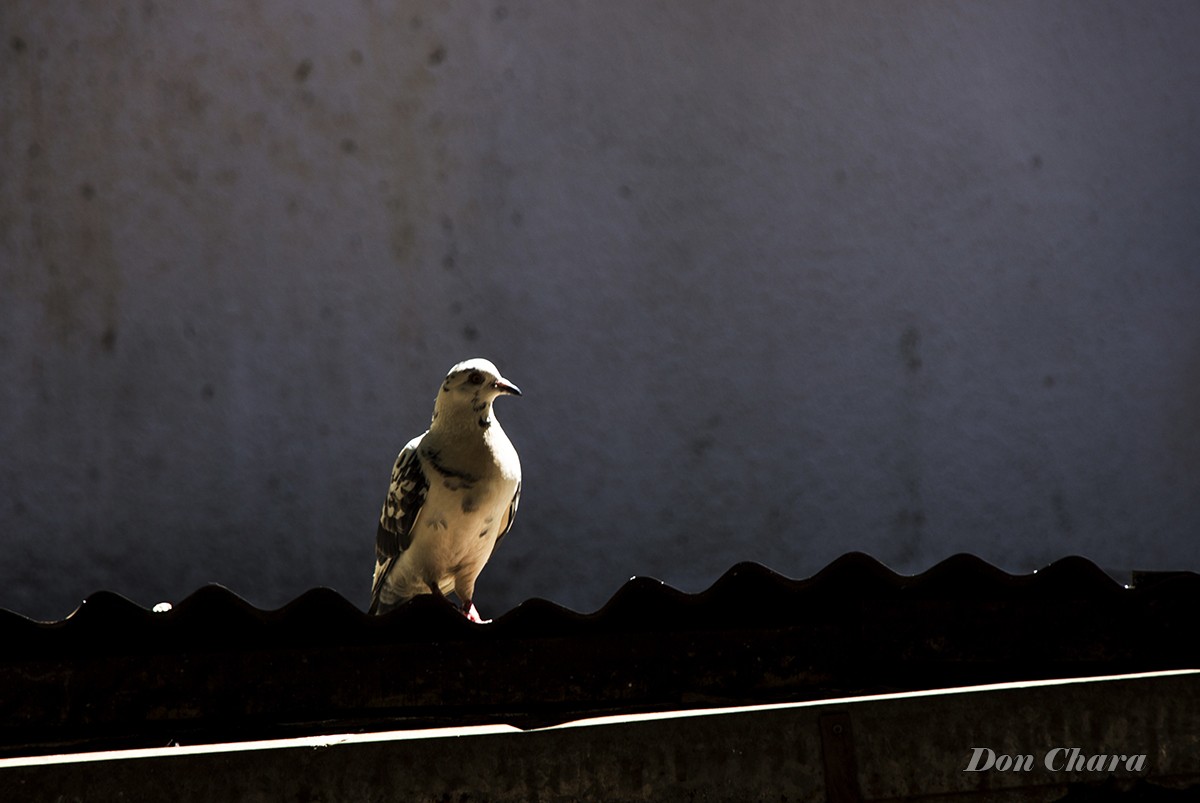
(745, 586)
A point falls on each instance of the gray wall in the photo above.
(779, 280)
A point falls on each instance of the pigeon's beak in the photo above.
(504, 386)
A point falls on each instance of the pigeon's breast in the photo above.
(459, 523)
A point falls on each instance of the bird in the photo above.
(453, 496)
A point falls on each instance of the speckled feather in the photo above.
(405, 496)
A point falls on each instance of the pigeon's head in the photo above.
(473, 385)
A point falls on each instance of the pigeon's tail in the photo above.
(378, 606)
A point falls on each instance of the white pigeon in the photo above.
(453, 495)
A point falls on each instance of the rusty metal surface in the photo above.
(213, 668)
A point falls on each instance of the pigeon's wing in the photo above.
(406, 494)
(509, 515)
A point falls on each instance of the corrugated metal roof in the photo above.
(215, 667)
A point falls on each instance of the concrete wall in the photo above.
(779, 280)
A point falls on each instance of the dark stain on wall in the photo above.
(910, 349)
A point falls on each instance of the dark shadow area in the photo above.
(215, 668)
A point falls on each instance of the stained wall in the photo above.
(779, 281)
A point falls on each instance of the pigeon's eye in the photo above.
(475, 378)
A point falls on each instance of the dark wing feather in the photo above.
(406, 494)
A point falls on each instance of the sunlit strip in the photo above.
(829, 701)
(337, 740)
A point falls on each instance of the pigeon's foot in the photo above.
(472, 615)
